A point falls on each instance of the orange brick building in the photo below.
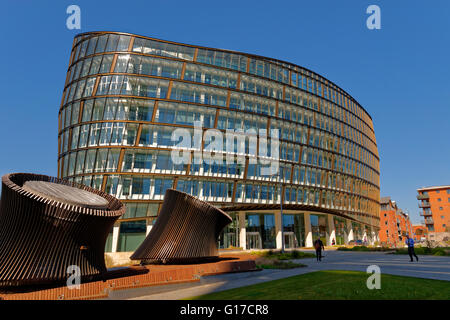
(394, 223)
(435, 205)
(420, 232)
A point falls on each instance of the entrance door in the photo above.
(227, 240)
(230, 239)
(290, 241)
(253, 240)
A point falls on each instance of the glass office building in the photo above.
(125, 95)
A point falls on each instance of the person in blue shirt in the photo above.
(410, 244)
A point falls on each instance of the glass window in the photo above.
(108, 245)
(140, 186)
(97, 111)
(75, 135)
(87, 110)
(106, 63)
(100, 161)
(161, 185)
(146, 137)
(90, 83)
(112, 42)
(131, 235)
(123, 43)
(319, 227)
(86, 67)
(80, 162)
(260, 231)
(95, 65)
(113, 159)
(91, 46)
(294, 230)
(145, 87)
(101, 43)
(84, 134)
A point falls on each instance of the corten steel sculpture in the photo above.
(187, 230)
(48, 224)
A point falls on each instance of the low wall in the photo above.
(118, 259)
(136, 277)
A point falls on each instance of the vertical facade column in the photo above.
(278, 226)
(332, 230)
(242, 231)
(350, 231)
(372, 236)
(115, 237)
(308, 232)
(149, 227)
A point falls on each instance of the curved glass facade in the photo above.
(126, 94)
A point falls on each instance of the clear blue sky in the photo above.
(400, 74)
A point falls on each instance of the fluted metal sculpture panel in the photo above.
(48, 224)
(187, 230)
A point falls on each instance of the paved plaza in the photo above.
(430, 267)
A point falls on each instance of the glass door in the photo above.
(290, 240)
(254, 240)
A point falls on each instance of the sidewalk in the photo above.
(430, 267)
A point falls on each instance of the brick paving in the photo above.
(137, 277)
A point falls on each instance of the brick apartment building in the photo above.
(420, 232)
(394, 223)
(435, 209)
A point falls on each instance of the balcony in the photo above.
(428, 221)
(425, 214)
(423, 196)
(424, 205)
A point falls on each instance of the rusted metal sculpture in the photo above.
(48, 224)
(187, 230)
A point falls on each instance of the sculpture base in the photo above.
(136, 277)
(180, 261)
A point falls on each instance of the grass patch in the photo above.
(272, 259)
(438, 251)
(340, 285)
(365, 249)
(277, 264)
(287, 255)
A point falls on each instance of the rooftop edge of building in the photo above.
(277, 61)
(433, 188)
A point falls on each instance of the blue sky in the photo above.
(400, 74)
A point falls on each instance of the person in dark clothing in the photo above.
(410, 244)
(318, 245)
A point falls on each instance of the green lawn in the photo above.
(439, 251)
(365, 249)
(337, 285)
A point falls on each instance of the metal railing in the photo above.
(423, 196)
(424, 205)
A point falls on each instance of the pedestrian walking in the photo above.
(318, 245)
(410, 244)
